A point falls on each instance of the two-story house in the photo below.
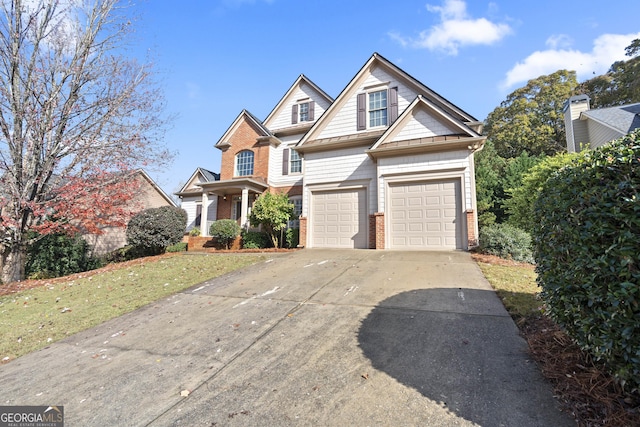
(388, 164)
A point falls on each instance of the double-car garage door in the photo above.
(420, 215)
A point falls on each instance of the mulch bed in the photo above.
(583, 386)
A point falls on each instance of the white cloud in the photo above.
(607, 49)
(456, 29)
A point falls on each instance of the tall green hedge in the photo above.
(587, 249)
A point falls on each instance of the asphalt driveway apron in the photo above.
(314, 337)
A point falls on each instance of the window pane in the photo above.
(378, 108)
(304, 111)
(244, 164)
(295, 164)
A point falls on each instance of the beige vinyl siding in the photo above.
(345, 120)
(303, 93)
(276, 178)
(339, 166)
(457, 162)
(422, 125)
(600, 134)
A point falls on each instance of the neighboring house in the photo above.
(586, 128)
(148, 195)
(387, 165)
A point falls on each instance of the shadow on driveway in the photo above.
(474, 365)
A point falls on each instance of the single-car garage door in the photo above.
(425, 215)
(339, 219)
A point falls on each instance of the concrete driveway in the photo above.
(314, 337)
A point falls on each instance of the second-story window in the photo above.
(302, 112)
(295, 164)
(244, 163)
(378, 108)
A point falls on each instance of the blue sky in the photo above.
(215, 58)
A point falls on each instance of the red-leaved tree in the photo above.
(76, 117)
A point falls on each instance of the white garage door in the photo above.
(339, 219)
(425, 215)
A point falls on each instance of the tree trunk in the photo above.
(13, 260)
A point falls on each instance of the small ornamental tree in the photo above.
(225, 231)
(156, 228)
(587, 248)
(272, 211)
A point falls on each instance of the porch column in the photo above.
(204, 230)
(245, 208)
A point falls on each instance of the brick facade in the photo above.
(302, 241)
(379, 230)
(472, 239)
(245, 138)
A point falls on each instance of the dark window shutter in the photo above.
(294, 114)
(393, 104)
(312, 106)
(362, 111)
(285, 162)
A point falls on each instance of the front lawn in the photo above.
(33, 318)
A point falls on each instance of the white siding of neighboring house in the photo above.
(431, 163)
(303, 93)
(276, 178)
(345, 121)
(190, 205)
(422, 125)
(600, 134)
(351, 164)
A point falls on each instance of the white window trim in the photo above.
(291, 172)
(368, 103)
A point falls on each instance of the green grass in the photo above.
(32, 319)
(517, 288)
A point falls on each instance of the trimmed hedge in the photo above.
(154, 229)
(506, 241)
(225, 231)
(587, 250)
(255, 240)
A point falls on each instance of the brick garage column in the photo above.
(302, 240)
(472, 239)
(378, 218)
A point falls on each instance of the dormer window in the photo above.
(244, 163)
(302, 112)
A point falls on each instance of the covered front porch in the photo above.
(235, 199)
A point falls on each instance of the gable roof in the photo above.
(207, 176)
(251, 119)
(156, 187)
(301, 79)
(623, 118)
(377, 60)
(460, 135)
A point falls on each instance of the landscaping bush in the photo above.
(506, 241)
(293, 237)
(57, 255)
(225, 231)
(195, 232)
(152, 230)
(587, 249)
(272, 212)
(255, 240)
(178, 247)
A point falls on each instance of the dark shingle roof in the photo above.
(624, 118)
